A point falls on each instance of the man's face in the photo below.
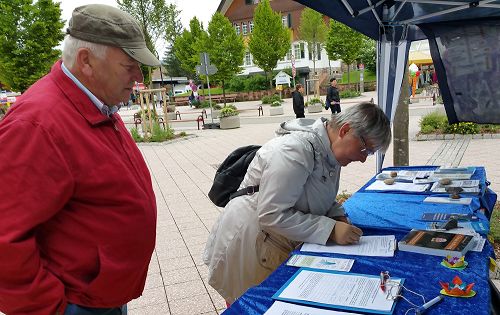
(114, 76)
(334, 83)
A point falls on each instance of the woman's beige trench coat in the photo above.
(295, 203)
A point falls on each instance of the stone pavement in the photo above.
(183, 171)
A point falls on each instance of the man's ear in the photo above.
(84, 61)
(344, 130)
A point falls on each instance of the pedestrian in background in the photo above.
(298, 101)
(78, 219)
(333, 97)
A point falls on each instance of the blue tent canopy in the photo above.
(464, 39)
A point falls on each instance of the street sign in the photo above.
(282, 78)
(205, 68)
(211, 69)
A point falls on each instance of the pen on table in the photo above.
(424, 307)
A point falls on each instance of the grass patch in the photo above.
(495, 223)
(368, 76)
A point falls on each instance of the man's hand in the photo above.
(344, 234)
(342, 218)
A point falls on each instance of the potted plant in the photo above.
(171, 112)
(276, 108)
(315, 105)
(229, 118)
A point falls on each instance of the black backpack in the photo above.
(230, 174)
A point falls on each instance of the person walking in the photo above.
(79, 215)
(333, 97)
(297, 174)
(298, 101)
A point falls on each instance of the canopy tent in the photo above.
(419, 58)
(457, 47)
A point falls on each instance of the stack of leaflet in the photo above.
(469, 186)
(403, 181)
(455, 172)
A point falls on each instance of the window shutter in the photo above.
(289, 20)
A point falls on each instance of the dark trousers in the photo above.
(335, 107)
(300, 115)
(73, 309)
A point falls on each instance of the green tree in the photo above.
(313, 30)
(269, 41)
(28, 34)
(155, 18)
(189, 44)
(343, 43)
(225, 48)
(368, 55)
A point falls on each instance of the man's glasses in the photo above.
(365, 149)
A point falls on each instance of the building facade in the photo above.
(240, 13)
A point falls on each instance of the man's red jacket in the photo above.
(77, 207)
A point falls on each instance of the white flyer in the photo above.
(373, 245)
(319, 262)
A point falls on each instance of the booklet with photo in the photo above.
(436, 243)
(320, 262)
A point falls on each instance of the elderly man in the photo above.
(77, 205)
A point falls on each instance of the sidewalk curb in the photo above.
(456, 136)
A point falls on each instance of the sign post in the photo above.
(361, 78)
(207, 69)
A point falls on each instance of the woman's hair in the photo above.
(71, 46)
(368, 121)
(298, 86)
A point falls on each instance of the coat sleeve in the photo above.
(286, 169)
(35, 184)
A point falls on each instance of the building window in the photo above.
(284, 20)
(289, 54)
(249, 2)
(244, 28)
(237, 27)
(251, 26)
(248, 58)
(299, 51)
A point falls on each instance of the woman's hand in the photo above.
(344, 233)
(342, 218)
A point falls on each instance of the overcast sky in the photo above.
(203, 10)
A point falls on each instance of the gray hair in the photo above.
(368, 121)
(71, 46)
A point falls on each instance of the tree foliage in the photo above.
(368, 55)
(313, 30)
(155, 18)
(225, 48)
(343, 43)
(28, 34)
(270, 40)
(189, 44)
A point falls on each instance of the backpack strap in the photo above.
(250, 190)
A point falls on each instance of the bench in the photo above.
(198, 120)
(261, 111)
(178, 114)
(422, 97)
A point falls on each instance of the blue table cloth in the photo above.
(395, 213)
(422, 274)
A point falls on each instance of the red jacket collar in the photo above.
(76, 96)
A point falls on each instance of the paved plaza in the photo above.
(182, 173)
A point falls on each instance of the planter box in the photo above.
(230, 122)
(275, 110)
(171, 108)
(171, 116)
(315, 108)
